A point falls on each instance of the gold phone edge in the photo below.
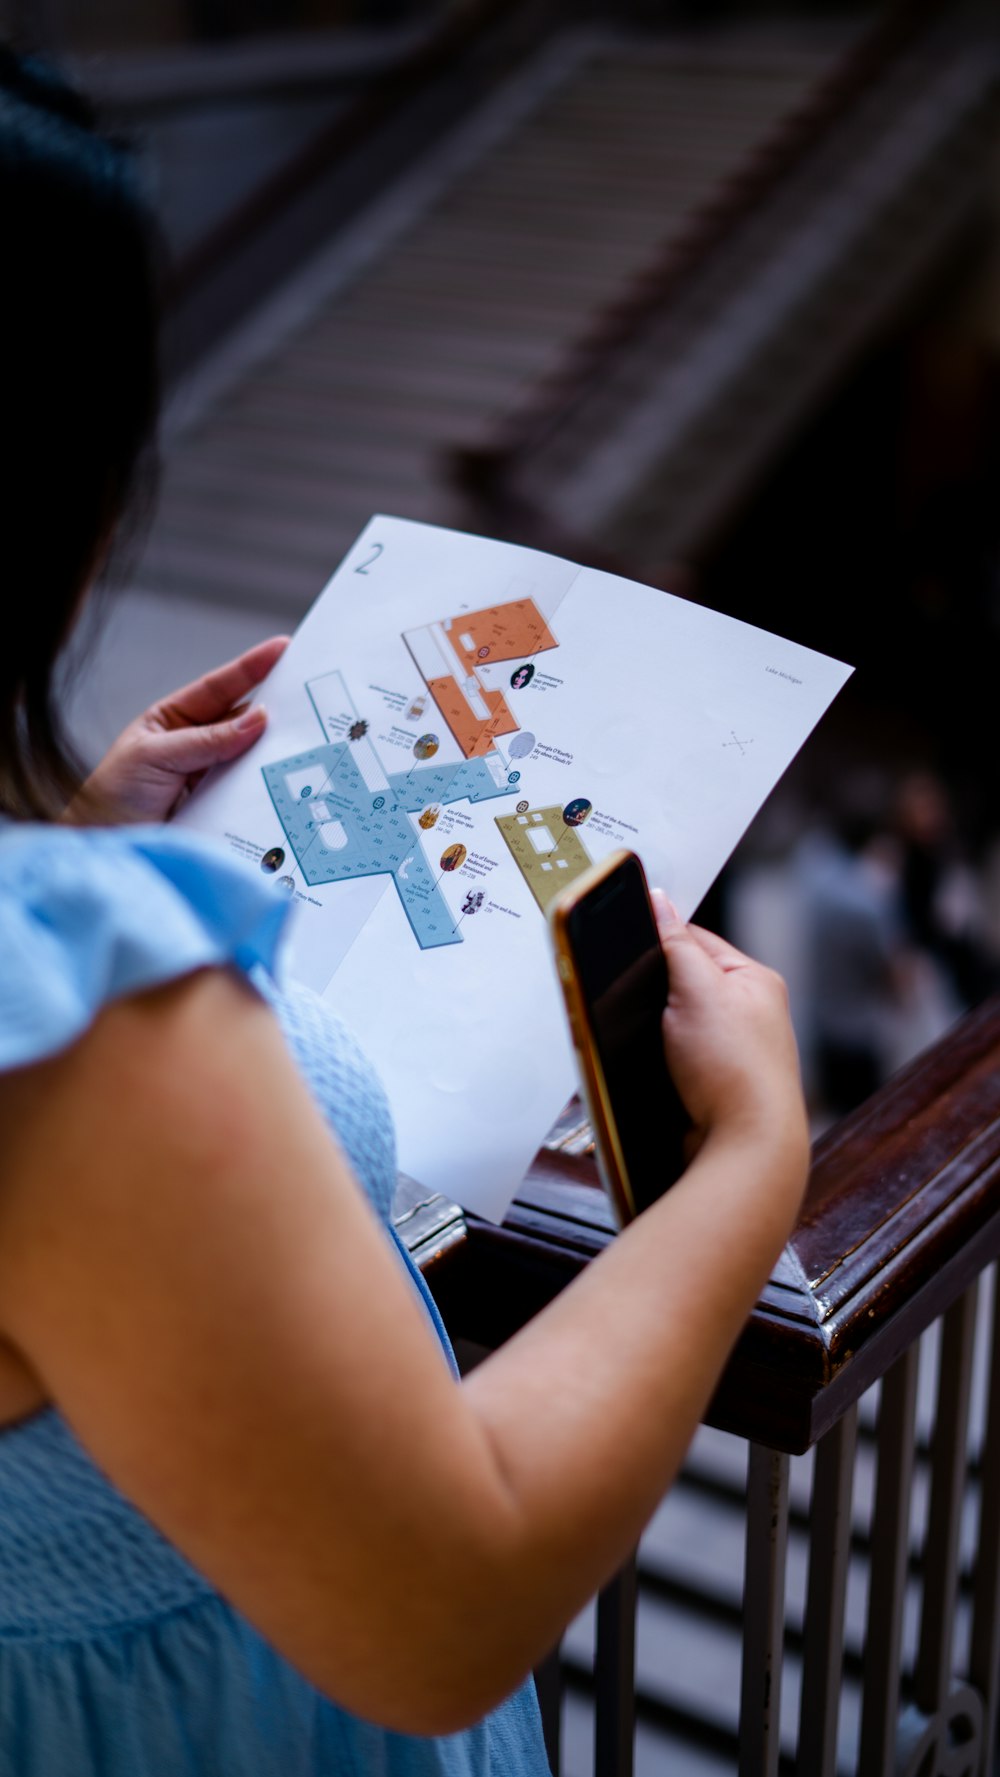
(610, 1160)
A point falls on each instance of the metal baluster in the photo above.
(984, 1662)
(548, 1685)
(614, 1675)
(890, 1548)
(763, 1612)
(829, 1558)
(949, 1462)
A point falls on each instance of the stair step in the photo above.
(319, 455)
(448, 329)
(400, 397)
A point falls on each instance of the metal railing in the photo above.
(876, 1348)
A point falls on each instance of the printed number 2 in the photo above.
(363, 566)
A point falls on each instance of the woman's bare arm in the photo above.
(191, 1271)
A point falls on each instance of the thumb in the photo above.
(187, 750)
(691, 972)
(689, 967)
(667, 917)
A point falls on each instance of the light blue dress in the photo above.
(117, 1659)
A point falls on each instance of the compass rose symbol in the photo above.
(737, 742)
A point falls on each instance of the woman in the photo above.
(247, 1511)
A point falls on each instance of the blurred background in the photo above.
(708, 294)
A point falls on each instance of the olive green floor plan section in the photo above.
(547, 850)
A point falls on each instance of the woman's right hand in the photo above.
(729, 1041)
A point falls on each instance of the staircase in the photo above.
(449, 301)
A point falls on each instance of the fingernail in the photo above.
(666, 912)
(252, 718)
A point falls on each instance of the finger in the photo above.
(691, 972)
(680, 941)
(719, 949)
(691, 950)
(667, 916)
(208, 698)
(187, 751)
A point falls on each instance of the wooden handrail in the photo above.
(902, 1211)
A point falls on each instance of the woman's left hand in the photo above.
(157, 760)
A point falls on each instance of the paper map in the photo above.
(457, 730)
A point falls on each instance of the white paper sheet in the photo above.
(427, 794)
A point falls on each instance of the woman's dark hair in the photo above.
(78, 328)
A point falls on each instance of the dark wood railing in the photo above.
(903, 1210)
(901, 1219)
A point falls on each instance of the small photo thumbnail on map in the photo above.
(272, 860)
(522, 676)
(577, 811)
(428, 816)
(426, 746)
(453, 857)
(287, 883)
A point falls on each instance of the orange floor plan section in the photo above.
(451, 653)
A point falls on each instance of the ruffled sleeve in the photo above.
(88, 916)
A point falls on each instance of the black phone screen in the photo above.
(623, 975)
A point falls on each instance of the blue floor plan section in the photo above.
(339, 827)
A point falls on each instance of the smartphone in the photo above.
(614, 979)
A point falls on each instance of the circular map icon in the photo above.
(521, 745)
(426, 746)
(577, 811)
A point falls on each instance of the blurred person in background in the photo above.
(853, 945)
(941, 900)
(895, 933)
